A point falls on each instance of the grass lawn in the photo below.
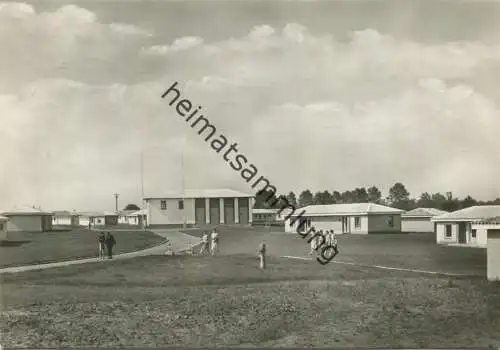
(227, 301)
(24, 248)
(413, 251)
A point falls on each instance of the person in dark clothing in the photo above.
(110, 243)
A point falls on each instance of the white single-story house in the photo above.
(65, 218)
(3, 228)
(464, 226)
(123, 216)
(199, 207)
(267, 216)
(138, 218)
(419, 219)
(28, 219)
(357, 218)
(98, 219)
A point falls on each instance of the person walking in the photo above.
(110, 243)
(101, 239)
(204, 243)
(262, 256)
(215, 242)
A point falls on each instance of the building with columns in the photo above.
(195, 208)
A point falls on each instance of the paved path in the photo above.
(177, 242)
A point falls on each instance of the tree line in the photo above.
(397, 197)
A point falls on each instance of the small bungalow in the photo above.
(138, 218)
(3, 228)
(419, 219)
(357, 218)
(124, 216)
(65, 218)
(267, 217)
(98, 219)
(28, 219)
(465, 226)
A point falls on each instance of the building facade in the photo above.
(465, 226)
(200, 208)
(356, 218)
(419, 220)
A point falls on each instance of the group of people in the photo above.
(106, 243)
(321, 237)
(209, 243)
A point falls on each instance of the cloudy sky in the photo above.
(317, 94)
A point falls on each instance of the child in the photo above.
(204, 243)
(101, 240)
(215, 242)
(262, 255)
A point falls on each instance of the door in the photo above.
(462, 232)
(345, 225)
(229, 210)
(214, 211)
(199, 212)
(243, 211)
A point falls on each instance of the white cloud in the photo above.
(308, 110)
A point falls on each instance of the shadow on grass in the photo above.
(13, 243)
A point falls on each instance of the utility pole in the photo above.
(116, 201)
(142, 179)
(183, 183)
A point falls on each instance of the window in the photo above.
(1, 227)
(357, 222)
(181, 204)
(390, 221)
(163, 205)
(473, 232)
(448, 231)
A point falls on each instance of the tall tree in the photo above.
(336, 197)
(451, 203)
(425, 201)
(467, 202)
(374, 195)
(323, 197)
(438, 201)
(360, 195)
(398, 193)
(264, 199)
(132, 207)
(305, 198)
(292, 199)
(347, 197)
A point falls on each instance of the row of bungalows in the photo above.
(356, 218)
(200, 207)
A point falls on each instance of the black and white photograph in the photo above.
(250, 174)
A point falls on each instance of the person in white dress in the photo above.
(204, 243)
(215, 242)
